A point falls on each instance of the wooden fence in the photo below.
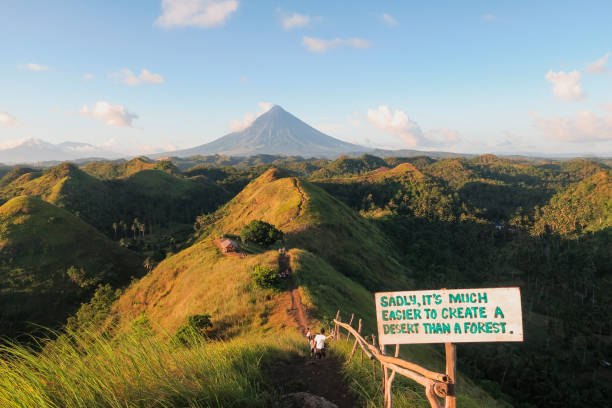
(436, 385)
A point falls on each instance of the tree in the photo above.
(261, 232)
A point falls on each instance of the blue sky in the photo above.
(489, 76)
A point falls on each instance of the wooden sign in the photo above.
(449, 316)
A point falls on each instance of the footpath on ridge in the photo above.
(302, 374)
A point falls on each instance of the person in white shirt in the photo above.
(319, 340)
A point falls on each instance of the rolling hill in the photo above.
(39, 243)
(199, 278)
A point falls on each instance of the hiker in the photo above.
(320, 343)
(312, 347)
(308, 333)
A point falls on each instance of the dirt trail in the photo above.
(301, 373)
(300, 206)
(298, 311)
(296, 183)
(318, 377)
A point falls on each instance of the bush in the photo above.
(266, 277)
(192, 332)
(261, 232)
(95, 311)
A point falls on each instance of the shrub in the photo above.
(96, 310)
(191, 333)
(266, 277)
(261, 233)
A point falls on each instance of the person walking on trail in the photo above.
(308, 333)
(319, 340)
(312, 344)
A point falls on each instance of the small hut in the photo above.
(228, 245)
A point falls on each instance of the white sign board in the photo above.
(449, 316)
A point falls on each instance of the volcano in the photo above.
(274, 132)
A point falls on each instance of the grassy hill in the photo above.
(201, 280)
(105, 170)
(65, 186)
(156, 193)
(39, 243)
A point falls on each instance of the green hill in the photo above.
(582, 207)
(65, 186)
(105, 170)
(39, 243)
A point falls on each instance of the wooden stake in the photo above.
(385, 375)
(373, 361)
(390, 382)
(451, 365)
(348, 334)
(336, 328)
(355, 345)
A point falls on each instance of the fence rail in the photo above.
(437, 385)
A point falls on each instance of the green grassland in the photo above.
(39, 242)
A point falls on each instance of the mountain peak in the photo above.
(275, 132)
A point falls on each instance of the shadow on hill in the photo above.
(497, 201)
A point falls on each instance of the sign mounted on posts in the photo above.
(449, 316)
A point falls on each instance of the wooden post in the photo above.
(374, 361)
(355, 345)
(336, 329)
(451, 365)
(389, 391)
(385, 376)
(348, 334)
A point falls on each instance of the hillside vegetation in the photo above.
(50, 261)
(351, 226)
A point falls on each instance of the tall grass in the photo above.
(406, 393)
(138, 370)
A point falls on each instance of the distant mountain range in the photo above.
(276, 132)
(36, 150)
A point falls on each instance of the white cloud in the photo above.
(293, 20)
(488, 17)
(88, 76)
(195, 13)
(442, 136)
(9, 144)
(127, 77)
(34, 67)
(6, 119)
(400, 125)
(585, 127)
(599, 66)
(319, 45)
(388, 19)
(112, 115)
(238, 125)
(566, 85)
